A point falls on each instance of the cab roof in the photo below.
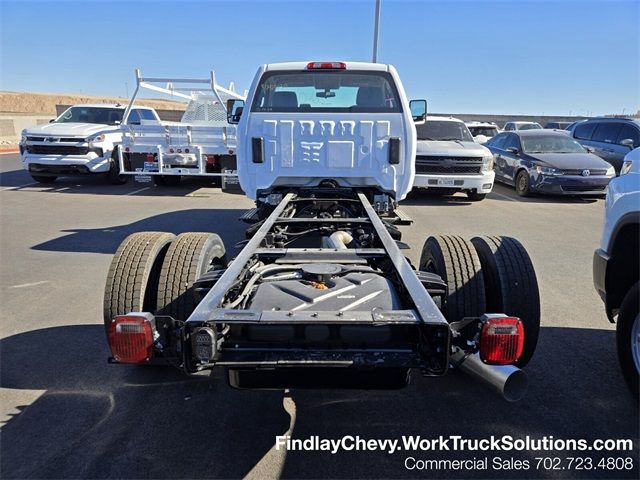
(109, 105)
(382, 67)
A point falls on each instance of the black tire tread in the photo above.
(460, 269)
(131, 281)
(626, 316)
(512, 286)
(186, 260)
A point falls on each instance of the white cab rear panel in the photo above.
(304, 148)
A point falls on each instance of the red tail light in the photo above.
(131, 338)
(501, 340)
(326, 66)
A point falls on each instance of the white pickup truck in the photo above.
(449, 161)
(80, 141)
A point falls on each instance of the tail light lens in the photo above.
(326, 66)
(501, 340)
(131, 338)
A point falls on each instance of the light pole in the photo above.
(375, 32)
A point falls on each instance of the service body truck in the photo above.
(81, 141)
(449, 161)
(201, 144)
(320, 294)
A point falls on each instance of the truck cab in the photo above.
(305, 123)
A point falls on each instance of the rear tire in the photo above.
(628, 331)
(113, 175)
(189, 257)
(132, 281)
(167, 180)
(456, 261)
(511, 286)
(44, 178)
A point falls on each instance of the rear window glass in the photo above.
(326, 91)
(606, 132)
(584, 131)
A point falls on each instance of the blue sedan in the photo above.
(548, 161)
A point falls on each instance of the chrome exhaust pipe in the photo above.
(509, 381)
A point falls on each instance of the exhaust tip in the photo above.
(515, 386)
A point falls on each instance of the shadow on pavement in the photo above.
(97, 420)
(106, 240)
(109, 421)
(97, 185)
(506, 191)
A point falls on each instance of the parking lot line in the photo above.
(19, 186)
(506, 197)
(33, 284)
(137, 191)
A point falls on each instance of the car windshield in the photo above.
(486, 131)
(327, 91)
(529, 126)
(443, 130)
(550, 144)
(100, 115)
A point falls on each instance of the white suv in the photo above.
(80, 141)
(449, 161)
(616, 264)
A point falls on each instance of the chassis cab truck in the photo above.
(321, 294)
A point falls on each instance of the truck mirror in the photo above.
(234, 110)
(418, 110)
(52, 120)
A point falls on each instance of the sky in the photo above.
(504, 57)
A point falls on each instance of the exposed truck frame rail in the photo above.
(185, 148)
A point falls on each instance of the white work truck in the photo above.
(202, 143)
(81, 141)
(449, 161)
(320, 294)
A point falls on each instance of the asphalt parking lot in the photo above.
(67, 413)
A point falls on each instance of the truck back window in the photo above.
(326, 91)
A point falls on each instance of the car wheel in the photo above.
(628, 338)
(474, 196)
(523, 183)
(113, 175)
(43, 178)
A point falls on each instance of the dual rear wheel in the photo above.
(155, 272)
(489, 274)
